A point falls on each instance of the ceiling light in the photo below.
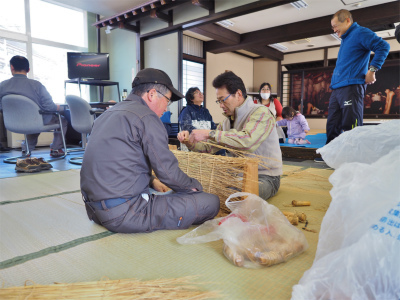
(302, 41)
(299, 4)
(279, 47)
(334, 35)
(225, 23)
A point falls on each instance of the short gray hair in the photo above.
(342, 15)
(143, 88)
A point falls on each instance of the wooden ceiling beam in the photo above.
(218, 33)
(160, 16)
(143, 11)
(266, 52)
(368, 17)
(129, 27)
(206, 4)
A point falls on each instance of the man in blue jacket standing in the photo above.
(352, 73)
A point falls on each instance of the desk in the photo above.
(100, 83)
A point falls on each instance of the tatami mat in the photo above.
(40, 184)
(49, 239)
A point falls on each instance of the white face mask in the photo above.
(265, 95)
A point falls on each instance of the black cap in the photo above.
(156, 76)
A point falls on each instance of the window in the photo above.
(57, 23)
(11, 18)
(193, 76)
(45, 41)
(9, 48)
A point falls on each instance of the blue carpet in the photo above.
(317, 141)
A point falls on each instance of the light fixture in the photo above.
(226, 23)
(335, 36)
(279, 47)
(299, 4)
(108, 29)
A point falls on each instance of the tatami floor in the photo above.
(46, 237)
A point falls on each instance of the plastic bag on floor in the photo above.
(358, 250)
(364, 144)
(255, 234)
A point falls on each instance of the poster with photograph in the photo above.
(381, 98)
(316, 91)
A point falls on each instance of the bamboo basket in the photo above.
(220, 175)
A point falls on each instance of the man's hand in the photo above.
(159, 186)
(198, 135)
(370, 77)
(183, 135)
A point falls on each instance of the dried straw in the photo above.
(219, 175)
(262, 160)
(175, 288)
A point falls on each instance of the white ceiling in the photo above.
(268, 18)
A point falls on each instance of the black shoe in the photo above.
(27, 166)
(319, 160)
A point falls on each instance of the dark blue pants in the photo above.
(346, 108)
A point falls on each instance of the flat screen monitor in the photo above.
(88, 65)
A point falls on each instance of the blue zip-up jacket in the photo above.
(195, 117)
(355, 50)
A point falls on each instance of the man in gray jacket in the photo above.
(127, 143)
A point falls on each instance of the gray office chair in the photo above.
(82, 118)
(22, 115)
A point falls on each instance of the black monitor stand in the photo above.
(94, 82)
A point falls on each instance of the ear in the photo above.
(151, 94)
(239, 92)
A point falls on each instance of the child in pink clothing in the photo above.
(296, 124)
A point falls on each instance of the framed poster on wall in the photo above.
(382, 99)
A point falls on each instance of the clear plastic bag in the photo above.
(359, 243)
(255, 234)
(362, 144)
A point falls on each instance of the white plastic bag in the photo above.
(255, 234)
(362, 144)
(359, 242)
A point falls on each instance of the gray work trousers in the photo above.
(171, 211)
(268, 186)
(57, 140)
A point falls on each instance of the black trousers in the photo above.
(346, 108)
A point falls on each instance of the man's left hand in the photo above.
(370, 77)
(198, 135)
(159, 186)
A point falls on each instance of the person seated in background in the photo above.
(195, 116)
(273, 104)
(127, 144)
(248, 127)
(297, 126)
(20, 84)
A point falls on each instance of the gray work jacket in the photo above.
(127, 142)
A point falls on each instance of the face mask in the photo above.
(265, 95)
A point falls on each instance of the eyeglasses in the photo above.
(168, 99)
(197, 92)
(219, 101)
